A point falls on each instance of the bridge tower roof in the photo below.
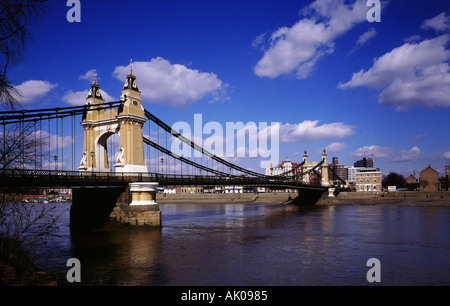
(130, 83)
(94, 91)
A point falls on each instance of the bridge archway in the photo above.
(101, 147)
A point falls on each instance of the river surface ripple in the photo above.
(262, 244)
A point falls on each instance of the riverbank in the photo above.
(405, 198)
(19, 269)
(226, 197)
(416, 198)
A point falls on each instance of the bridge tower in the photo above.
(324, 168)
(131, 119)
(305, 163)
(98, 125)
(307, 166)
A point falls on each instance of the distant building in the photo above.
(411, 179)
(411, 183)
(286, 167)
(351, 174)
(443, 183)
(428, 179)
(234, 189)
(190, 190)
(366, 162)
(337, 173)
(170, 190)
(447, 177)
(368, 179)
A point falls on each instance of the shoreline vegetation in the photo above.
(23, 271)
(20, 269)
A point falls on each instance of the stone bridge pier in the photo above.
(100, 207)
(310, 196)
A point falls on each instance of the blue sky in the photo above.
(331, 78)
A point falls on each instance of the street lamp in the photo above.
(162, 165)
(56, 164)
(92, 155)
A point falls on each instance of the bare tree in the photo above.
(24, 227)
(22, 146)
(15, 19)
(394, 179)
(23, 224)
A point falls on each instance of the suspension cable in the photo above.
(198, 148)
(49, 140)
(43, 110)
(184, 160)
(9, 118)
(62, 141)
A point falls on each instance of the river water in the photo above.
(262, 244)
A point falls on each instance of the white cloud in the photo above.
(174, 85)
(335, 147)
(298, 48)
(413, 38)
(309, 130)
(33, 90)
(420, 136)
(431, 89)
(393, 155)
(439, 23)
(55, 141)
(414, 74)
(446, 155)
(259, 41)
(88, 76)
(366, 36)
(79, 97)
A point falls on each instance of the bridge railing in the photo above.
(54, 178)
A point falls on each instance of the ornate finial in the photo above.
(95, 76)
(131, 66)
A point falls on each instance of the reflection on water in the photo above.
(120, 257)
(263, 244)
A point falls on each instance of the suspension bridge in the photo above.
(125, 147)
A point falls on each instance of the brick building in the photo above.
(337, 173)
(428, 179)
(411, 183)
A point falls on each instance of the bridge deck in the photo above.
(48, 178)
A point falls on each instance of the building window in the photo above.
(374, 180)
